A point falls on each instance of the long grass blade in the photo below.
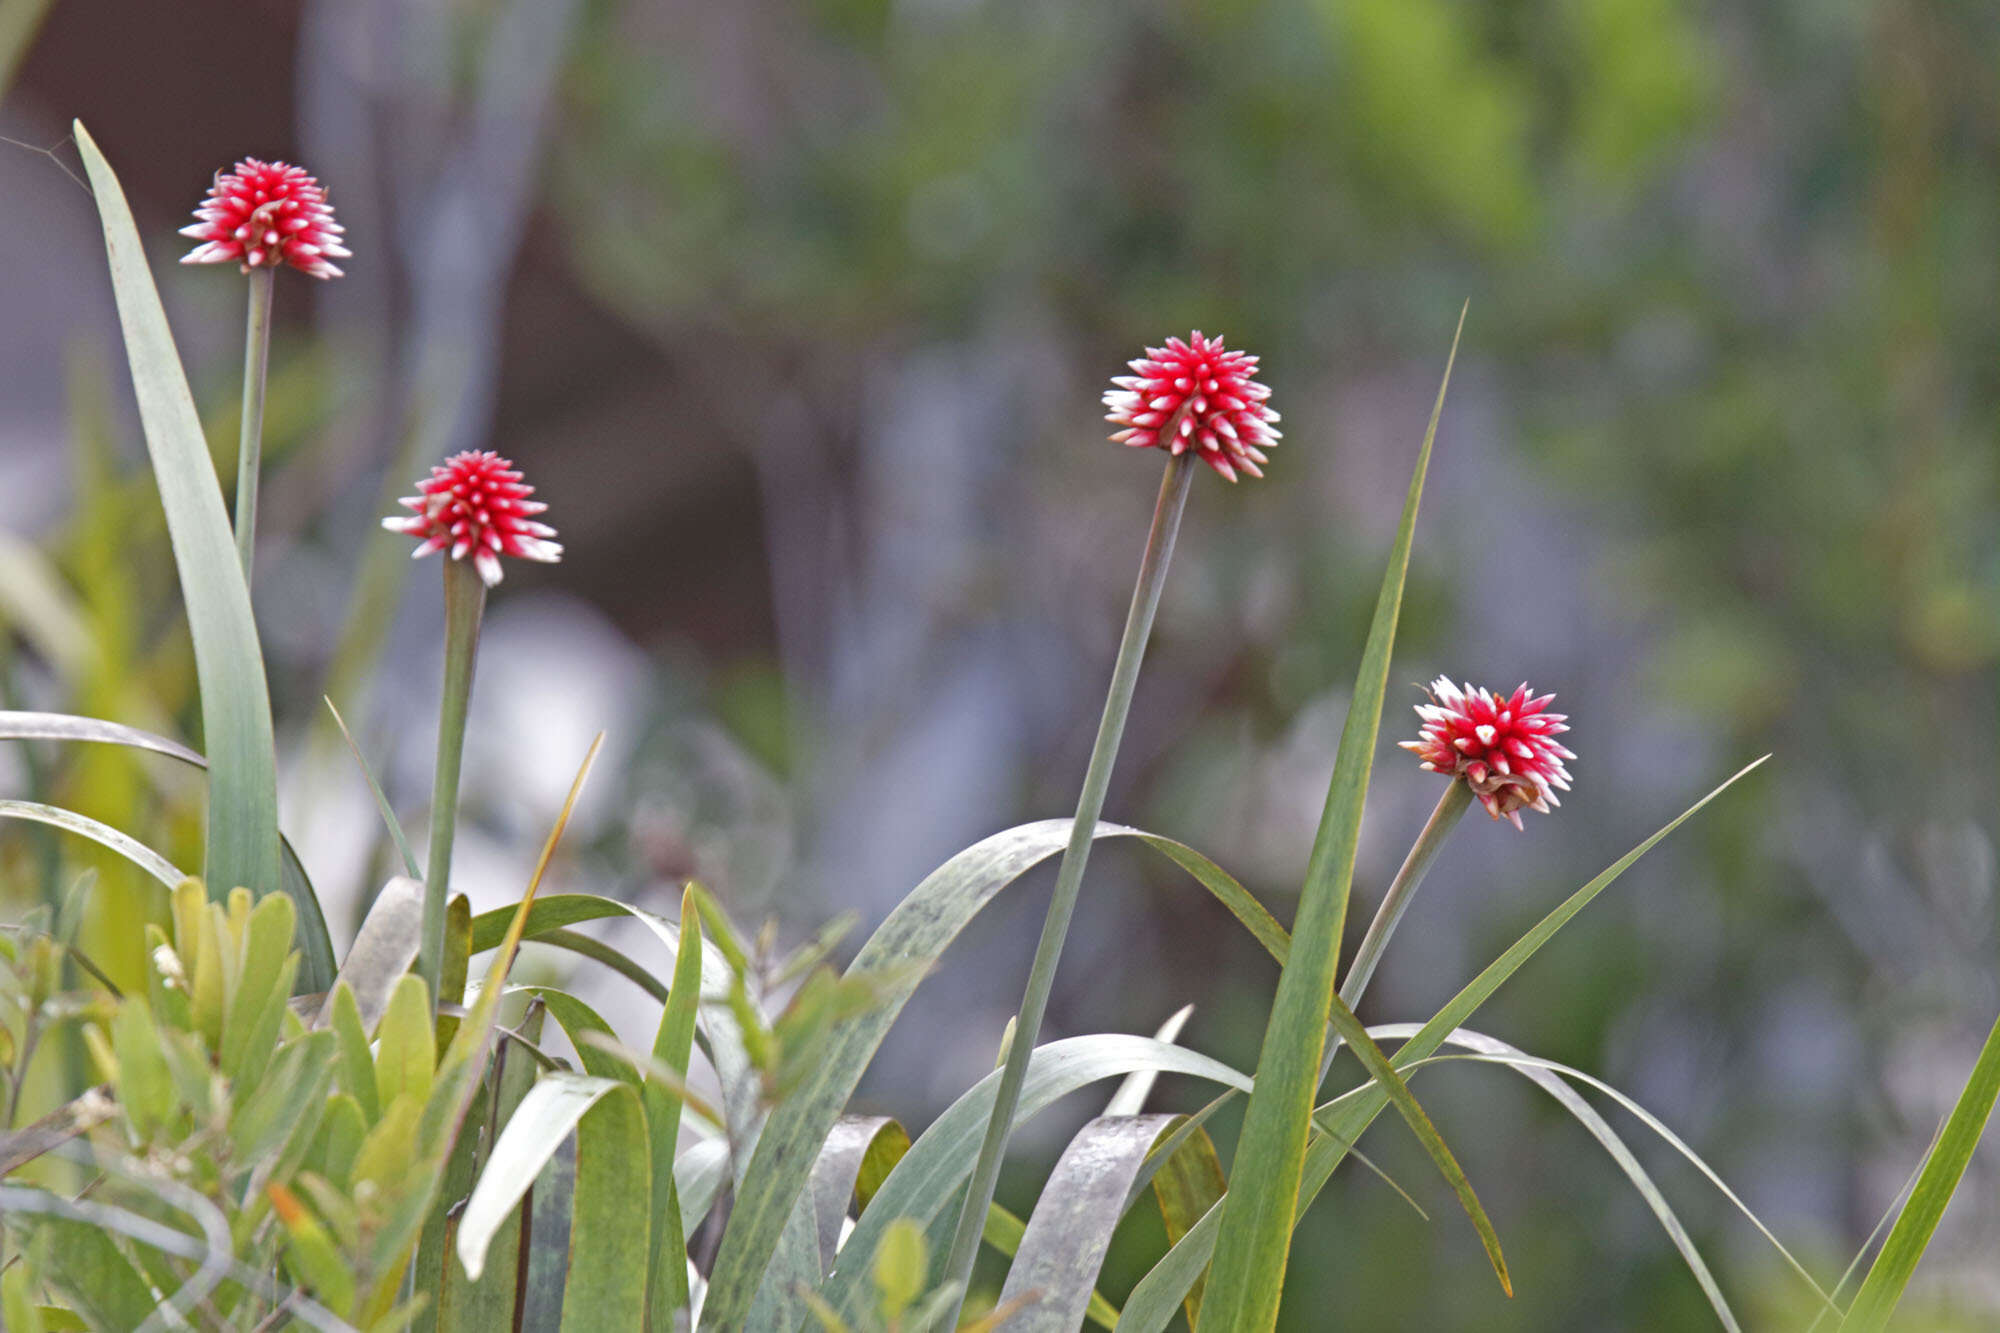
(1882, 1289)
(673, 1047)
(1151, 1306)
(69, 821)
(1398, 1092)
(315, 944)
(242, 847)
(388, 814)
(1255, 1239)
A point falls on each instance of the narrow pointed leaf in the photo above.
(1887, 1278)
(1399, 1094)
(912, 937)
(1256, 1228)
(69, 821)
(1153, 1301)
(242, 846)
(315, 944)
(927, 1182)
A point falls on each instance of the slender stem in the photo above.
(464, 602)
(250, 443)
(1041, 976)
(1451, 806)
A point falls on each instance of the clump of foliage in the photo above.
(263, 1135)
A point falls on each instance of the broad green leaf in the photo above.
(1055, 1271)
(1003, 1231)
(923, 925)
(405, 1052)
(1255, 1240)
(858, 1142)
(610, 1236)
(1882, 1289)
(98, 1281)
(931, 1176)
(902, 1263)
(1153, 1301)
(236, 708)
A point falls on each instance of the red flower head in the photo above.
(266, 214)
(476, 505)
(1505, 749)
(1195, 395)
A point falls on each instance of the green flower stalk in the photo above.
(263, 216)
(475, 508)
(1192, 400)
(250, 438)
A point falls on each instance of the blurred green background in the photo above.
(797, 313)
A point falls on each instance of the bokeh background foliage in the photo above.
(798, 314)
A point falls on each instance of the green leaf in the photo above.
(610, 1236)
(357, 1062)
(1251, 1251)
(131, 849)
(466, 1306)
(923, 925)
(145, 1086)
(99, 1282)
(860, 1145)
(236, 707)
(554, 1106)
(388, 813)
(1055, 1271)
(1391, 1083)
(1882, 1289)
(901, 1266)
(316, 969)
(1153, 1301)
(254, 1004)
(1187, 1185)
(930, 1177)
(673, 1046)
(405, 1051)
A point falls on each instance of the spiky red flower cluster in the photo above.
(475, 504)
(265, 215)
(1505, 749)
(1195, 395)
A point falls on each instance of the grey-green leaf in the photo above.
(242, 847)
(1055, 1270)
